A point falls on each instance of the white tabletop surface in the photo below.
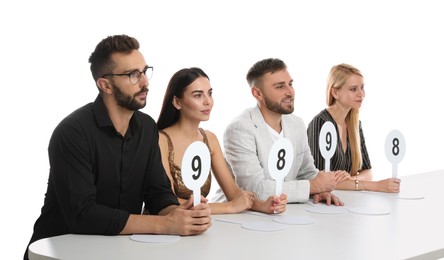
(410, 228)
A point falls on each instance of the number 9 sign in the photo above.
(328, 140)
(395, 149)
(196, 163)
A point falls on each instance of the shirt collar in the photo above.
(103, 119)
(101, 113)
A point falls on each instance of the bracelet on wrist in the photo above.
(357, 183)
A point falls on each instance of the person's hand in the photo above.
(389, 185)
(323, 182)
(342, 176)
(279, 204)
(242, 201)
(328, 197)
(272, 205)
(187, 220)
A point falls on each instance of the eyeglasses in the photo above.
(135, 75)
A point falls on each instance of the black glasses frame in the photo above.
(131, 74)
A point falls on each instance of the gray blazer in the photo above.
(247, 143)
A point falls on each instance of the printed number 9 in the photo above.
(328, 140)
(196, 168)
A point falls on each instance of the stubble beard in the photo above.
(277, 108)
(127, 101)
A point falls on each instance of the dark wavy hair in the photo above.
(176, 87)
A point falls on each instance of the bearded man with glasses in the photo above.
(105, 163)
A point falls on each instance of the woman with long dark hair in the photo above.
(188, 101)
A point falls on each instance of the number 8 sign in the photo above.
(395, 149)
(280, 160)
(196, 163)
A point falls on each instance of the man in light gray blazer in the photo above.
(249, 137)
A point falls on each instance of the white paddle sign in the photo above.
(328, 140)
(196, 163)
(395, 150)
(280, 161)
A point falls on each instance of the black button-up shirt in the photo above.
(98, 177)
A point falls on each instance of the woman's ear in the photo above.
(334, 93)
(176, 103)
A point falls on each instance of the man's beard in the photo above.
(277, 108)
(126, 101)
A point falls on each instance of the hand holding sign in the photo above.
(395, 150)
(196, 163)
(280, 161)
(328, 141)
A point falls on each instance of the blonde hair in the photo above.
(339, 74)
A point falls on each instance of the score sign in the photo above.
(280, 160)
(395, 150)
(328, 140)
(196, 163)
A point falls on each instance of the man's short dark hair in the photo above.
(100, 59)
(262, 67)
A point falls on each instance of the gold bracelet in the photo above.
(356, 183)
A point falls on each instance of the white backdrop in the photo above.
(45, 75)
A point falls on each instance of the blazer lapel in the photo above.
(288, 128)
(261, 126)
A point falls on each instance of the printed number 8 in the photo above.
(395, 149)
(281, 159)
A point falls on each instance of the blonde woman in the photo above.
(345, 94)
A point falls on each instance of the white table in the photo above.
(414, 228)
